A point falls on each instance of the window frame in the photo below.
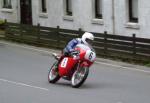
(68, 11)
(7, 4)
(97, 5)
(43, 6)
(130, 10)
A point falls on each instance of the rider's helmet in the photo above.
(87, 38)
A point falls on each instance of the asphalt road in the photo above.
(23, 79)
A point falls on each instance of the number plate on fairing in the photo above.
(90, 55)
(64, 63)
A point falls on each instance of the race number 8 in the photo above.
(64, 63)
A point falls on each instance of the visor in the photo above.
(89, 41)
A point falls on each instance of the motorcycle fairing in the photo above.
(66, 65)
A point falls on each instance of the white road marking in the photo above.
(123, 67)
(27, 47)
(23, 84)
(44, 51)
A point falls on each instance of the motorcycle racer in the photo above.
(87, 39)
(74, 62)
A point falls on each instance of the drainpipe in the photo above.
(113, 17)
(18, 11)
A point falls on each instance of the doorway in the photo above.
(26, 12)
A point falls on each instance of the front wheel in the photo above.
(79, 77)
(53, 75)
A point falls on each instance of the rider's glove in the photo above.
(75, 52)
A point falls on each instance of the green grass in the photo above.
(2, 33)
(2, 25)
(148, 64)
(2, 22)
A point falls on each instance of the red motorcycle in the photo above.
(75, 67)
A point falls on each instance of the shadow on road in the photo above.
(84, 86)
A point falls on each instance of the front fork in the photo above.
(81, 64)
(78, 65)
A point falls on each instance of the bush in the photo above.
(148, 64)
(2, 24)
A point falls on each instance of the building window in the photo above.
(69, 7)
(133, 11)
(7, 4)
(43, 6)
(98, 9)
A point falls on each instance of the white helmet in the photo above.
(87, 38)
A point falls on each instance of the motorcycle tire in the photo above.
(53, 75)
(82, 79)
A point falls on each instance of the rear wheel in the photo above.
(79, 77)
(53, 75)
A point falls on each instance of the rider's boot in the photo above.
(58, 58)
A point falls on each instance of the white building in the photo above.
(119, 17)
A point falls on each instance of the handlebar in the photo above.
(76, 53)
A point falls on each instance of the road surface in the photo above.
(23, 79)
